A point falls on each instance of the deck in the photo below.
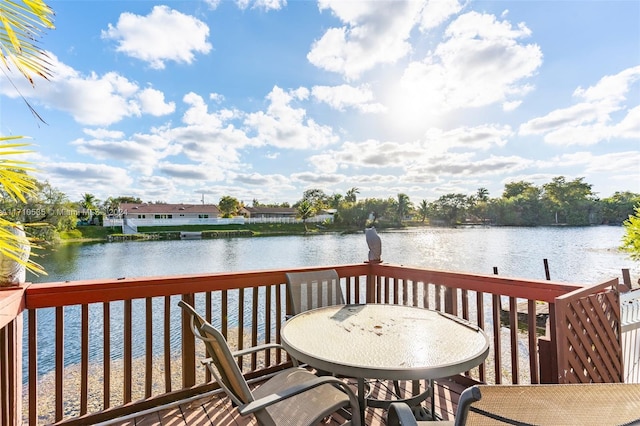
(216, 410)
(148, 358)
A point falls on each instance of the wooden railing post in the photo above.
(371, 283)
(11, 372)
(626, 279)
(450, 301)
(11, 323)
(188, 347)
(548, 350)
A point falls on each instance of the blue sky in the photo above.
(176, 101)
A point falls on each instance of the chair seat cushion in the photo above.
(316, 403)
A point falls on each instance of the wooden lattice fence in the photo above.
(588, 332)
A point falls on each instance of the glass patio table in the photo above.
(388, 342)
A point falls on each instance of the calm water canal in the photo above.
(581, 255)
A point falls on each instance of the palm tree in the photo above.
(423, 209)
(351, 195)
(20, 27)
(335, 200)
(481, 199)
(305, 211)
(403, 206)
(88, 204)
(482, 194)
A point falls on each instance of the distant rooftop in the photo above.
(132, 208)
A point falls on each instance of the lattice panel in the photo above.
(589, 340)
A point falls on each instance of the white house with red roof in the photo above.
(131, 216)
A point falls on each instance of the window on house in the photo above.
(203, 216)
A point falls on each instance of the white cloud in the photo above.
(284, 126)
(591, 120)
(198, 113)
(209, 138)
(511, 105)
(371, 154)
(160, 188)
(479, 63)
(481, 137)
(264, 181)
(116, 150)
(407, 155)
(318, 178)
(213, 4)
(196, 172)
(374, 33)
(468, 165)
(266, 5)
(611, 163)
(163, 35)
(100, 178)
(96, 100)
(629, 126)
(436, 12)
(346, 96)
(270, 4)
(141, 152)
(104, 133)
(152, 102)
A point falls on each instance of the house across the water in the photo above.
(131, 216)
(169, 212)
(269, 212)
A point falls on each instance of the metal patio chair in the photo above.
(549, 404)
(314, 289)
(293, 397)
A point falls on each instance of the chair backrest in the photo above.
(315, 289)
(228, 374)
(467, 398)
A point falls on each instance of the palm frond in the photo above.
(21, 24)
(18, 248)
(15, 181)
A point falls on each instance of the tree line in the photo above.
(561, 202)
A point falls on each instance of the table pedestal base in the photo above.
(414, 401)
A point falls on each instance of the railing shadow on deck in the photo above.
(99, 349)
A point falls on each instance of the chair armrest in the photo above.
(266, 346)
(252, 350)
(400, 414)
(271, 399)
(257, 349)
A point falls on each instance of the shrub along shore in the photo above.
(98, 233)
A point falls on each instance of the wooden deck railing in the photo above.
(104, 348)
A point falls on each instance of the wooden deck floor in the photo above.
(216, 409)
